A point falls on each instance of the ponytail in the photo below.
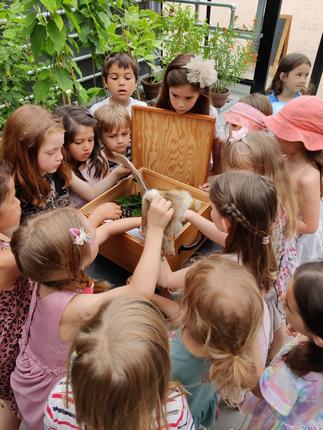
(233, 373)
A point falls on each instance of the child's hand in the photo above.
(290, 331)
(109, 211)
(160, 213)
(205, 187)
(121, 171)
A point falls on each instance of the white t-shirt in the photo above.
(133, 102)
(60, 417)
(218, 127)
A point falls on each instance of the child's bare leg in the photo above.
(278, 341)
(8, 420)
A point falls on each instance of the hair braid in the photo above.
(235, 213)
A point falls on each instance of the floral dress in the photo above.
(290, 402)
(58, 197)
(14, 305)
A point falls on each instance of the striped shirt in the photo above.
(59, 416)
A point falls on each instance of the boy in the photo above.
(120, 76)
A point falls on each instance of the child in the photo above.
(15, 294)
(291, 389)
(258, 101)
(259, 153)
(32, 145)
(299, 130)
(220, 314)
(53, 249)
(244, 114)
(289, 80)
(120, 77)
(119, 374)
(83, 152)
(186, 87)
(113, 130)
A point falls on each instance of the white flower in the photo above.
(201, 71)
(80, 236)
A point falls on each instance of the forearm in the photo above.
(107, 182)
(169, 307)
(206, 227)
(169, 279)
(144, 279)
(116, 227)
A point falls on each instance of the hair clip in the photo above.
(201, 71)
(236, 135)
(80, 236)
(265, 240)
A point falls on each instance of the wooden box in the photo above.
(176, 148)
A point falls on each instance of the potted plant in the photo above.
(232, 58)
(179, 33)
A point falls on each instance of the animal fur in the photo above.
(181, 201)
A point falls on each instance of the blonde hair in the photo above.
(45, 252)
(222, 309)
(120, 367)
(249, 202)
(259, 152)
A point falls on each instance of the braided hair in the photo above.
(249, 202)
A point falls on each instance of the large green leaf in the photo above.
(51, 5)
(57, 37)
(63, 79)
(58, 21)
(37, 38)
(41, 90)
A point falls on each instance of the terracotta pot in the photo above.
(219, 99)
(151, 89)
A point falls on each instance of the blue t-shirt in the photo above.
(277, 104)
(191, 372)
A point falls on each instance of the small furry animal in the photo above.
(181, 201)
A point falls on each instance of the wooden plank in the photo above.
(177, 146)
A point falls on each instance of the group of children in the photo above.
(77, 354)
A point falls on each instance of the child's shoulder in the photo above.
(97, 105)
(135, 102)
(309, 176)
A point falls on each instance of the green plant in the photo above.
(15, 60)
(182, 33)
(232, 57)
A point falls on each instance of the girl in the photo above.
(120, 77)
(291, 389)
(32, 144)
(299, 130)
(259, 153)
(83, 152)
(15, 294)
(244, 114)
(186, 89)
(53, 249)
(186, 86)
(220, 314)
(289, 80)
(119, 377)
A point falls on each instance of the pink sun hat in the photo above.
(246, 116)
(300, 120)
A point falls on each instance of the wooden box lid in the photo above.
(177, 146)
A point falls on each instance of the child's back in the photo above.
(40, 364)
